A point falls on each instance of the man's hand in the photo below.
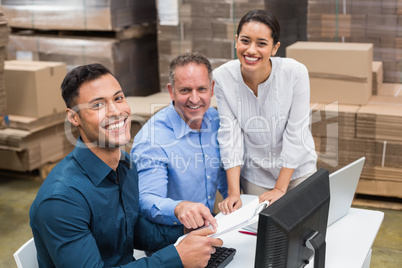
(194, 215)
(230, 204)
(271, 195)
(196, 248)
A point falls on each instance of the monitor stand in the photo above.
(316, 242)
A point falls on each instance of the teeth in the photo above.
(115, 126)
(194, 107)
(251, 59)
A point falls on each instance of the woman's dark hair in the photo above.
(78, 76)
(263, 16)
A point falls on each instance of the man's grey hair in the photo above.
(186, 58)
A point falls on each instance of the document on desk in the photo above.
(246, 215)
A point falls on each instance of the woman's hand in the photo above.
(230, 204)
(271, 195)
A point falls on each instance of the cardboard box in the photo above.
(33, 88)
(133, 61)
(381, 119)
(326, 116)
(372, 21)
(377, 76)
(333, 25)
(379, 188)
(339, 90)
(392, 90)
(338, 71)
(98, 15)
(22, 150)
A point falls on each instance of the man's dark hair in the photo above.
(186, 58)
(263, 16)
(78, 76)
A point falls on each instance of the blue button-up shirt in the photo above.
(176, 163)
(87, 215)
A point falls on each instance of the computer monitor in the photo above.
(292, 230)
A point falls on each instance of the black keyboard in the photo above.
(221, 257)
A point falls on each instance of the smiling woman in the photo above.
(255, 46)
(263, 104)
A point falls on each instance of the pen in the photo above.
(248, 233)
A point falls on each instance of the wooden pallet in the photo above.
(381, 202)
(36, 174)
(379, 187)
(130, 32)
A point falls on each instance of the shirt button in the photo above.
(206, 156)
(209, 197)
(208, 177)
(175, 223)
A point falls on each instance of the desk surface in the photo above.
(348, 240)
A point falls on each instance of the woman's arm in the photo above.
(280, 188)
(230, 138)
(293, 149)
(233, 201)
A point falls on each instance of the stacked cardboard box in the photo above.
(133, 61)
(389, 89)
(338, 71)
(354, 113)
(361, 21)
(119, 34)
(33, 88)
(344, 133)
(377, 76)
(382, 118)
(207, 26)
(36, 110)
(334, 120)
(22, 150)
(100, 15)
(4, 33)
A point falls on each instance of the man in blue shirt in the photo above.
(177, 153)
(86, 213)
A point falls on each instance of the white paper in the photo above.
(242, 217)
(246, 215)
(168, 12)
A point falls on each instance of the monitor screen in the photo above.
(292, 230)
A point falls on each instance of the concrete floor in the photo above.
(17, 193)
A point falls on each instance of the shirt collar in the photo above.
(179, 126)
(95, 168)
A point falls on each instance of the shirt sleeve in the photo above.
(296, 135)
(230, 136)
(65, 233)
(70, 243)
(154, 237)
(152, 165)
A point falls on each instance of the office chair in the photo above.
(25, 256)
